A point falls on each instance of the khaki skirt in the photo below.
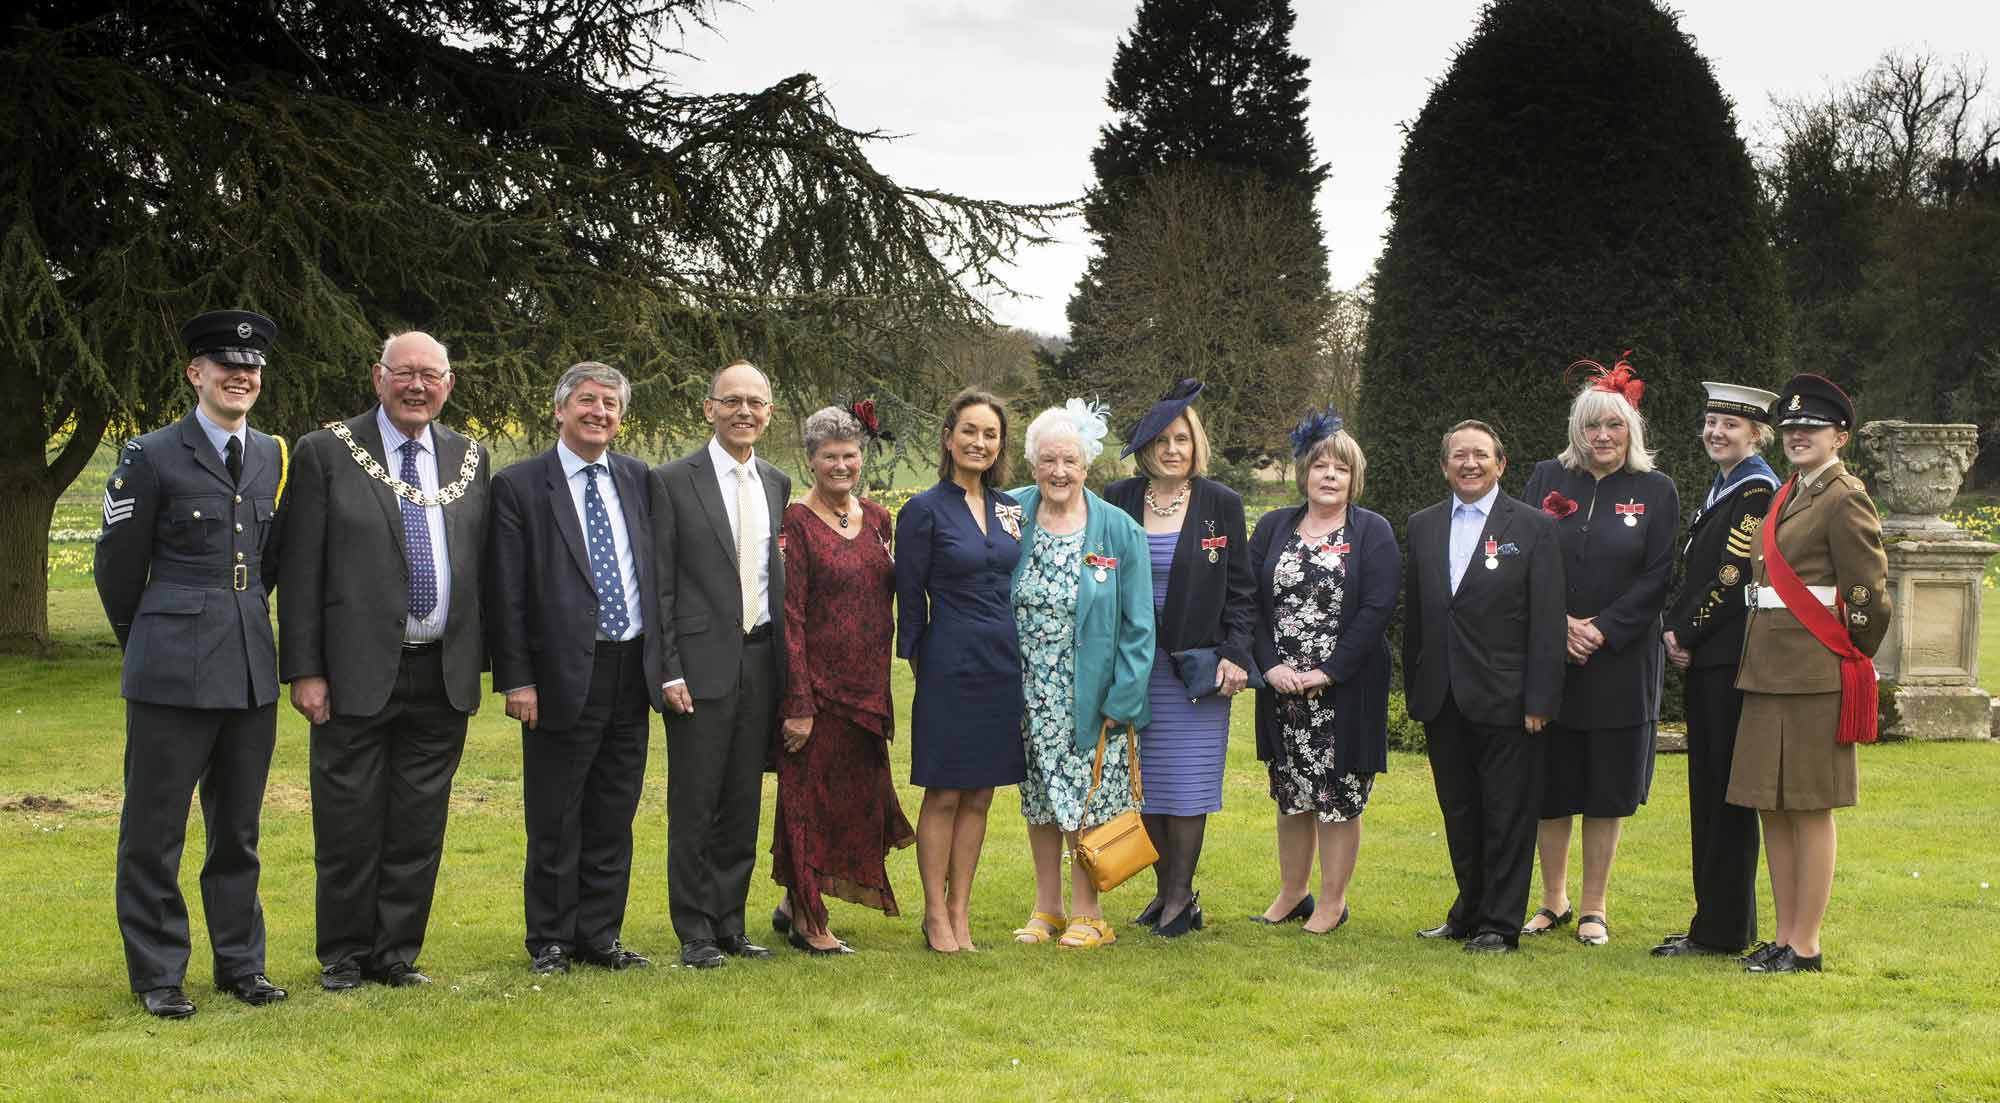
(1786, 757)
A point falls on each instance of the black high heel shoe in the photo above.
(1337, 924)
(780, 922)
(1150, 916)
(1189, 919)
(1300, 913)
(799, 942)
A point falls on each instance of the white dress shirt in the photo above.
(628, 567)
(1468, 521)
(431, 628)
(725, 480)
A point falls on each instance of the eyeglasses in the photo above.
(406, 376)
(741, 402)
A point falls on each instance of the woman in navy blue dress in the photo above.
(956, 546)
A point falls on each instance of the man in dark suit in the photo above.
(379, 622)
(181, 566)
(1483, 645)
(721, 576)
(569, 578)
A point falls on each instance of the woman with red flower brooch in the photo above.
(1616, 518)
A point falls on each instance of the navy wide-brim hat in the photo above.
(240, 337)
(1177, 399)
(1813, 400)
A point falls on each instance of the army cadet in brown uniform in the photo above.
(1819, 609)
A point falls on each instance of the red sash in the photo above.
(1857, 671)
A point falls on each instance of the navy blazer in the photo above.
(1209, 604)
(541, 601)
(1617, 568)
(1360, 666)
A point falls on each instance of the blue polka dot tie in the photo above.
(612, 616)
(417, 541)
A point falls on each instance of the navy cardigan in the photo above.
(1209, 603)
(1360, 666)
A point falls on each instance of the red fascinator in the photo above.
(1617, 379)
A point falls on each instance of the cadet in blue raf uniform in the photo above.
(181, 567)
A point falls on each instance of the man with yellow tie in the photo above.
(721, 578)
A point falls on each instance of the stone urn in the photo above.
(1916, 471)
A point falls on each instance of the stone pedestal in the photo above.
(1929, 664)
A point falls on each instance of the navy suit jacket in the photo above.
(541, 604)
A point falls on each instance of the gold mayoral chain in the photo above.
(445, 495)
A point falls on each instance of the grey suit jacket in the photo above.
(700, 609)
(181, 565)
(343, 584)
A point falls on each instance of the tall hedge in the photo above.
(1575, 186)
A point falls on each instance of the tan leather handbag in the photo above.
(1116, 849)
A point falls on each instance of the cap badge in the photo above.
(243, 330)
(1795, 403)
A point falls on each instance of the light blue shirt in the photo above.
(628, 567)
(431, 628)
(219, 437)
(1468, 521)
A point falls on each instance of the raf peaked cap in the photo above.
(1810, 400)
(1730, 398)
(230, 337)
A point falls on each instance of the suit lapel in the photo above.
(638, 525)
(196, 439)
(709, 493)
(463, 546)
(774, 502)
(253, 459)
(369, 436)
(564, 508)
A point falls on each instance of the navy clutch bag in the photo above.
(1195, 667)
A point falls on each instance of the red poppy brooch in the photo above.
(1557, 506)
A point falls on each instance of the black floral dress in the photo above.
(1309, 584)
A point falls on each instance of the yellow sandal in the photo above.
(1087, 933)
(1031, 935)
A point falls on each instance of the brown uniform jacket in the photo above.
(1831, 536)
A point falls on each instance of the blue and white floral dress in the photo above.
(1045, 594)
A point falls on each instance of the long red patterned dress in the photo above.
(838, 815)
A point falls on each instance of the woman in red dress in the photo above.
(837, 810)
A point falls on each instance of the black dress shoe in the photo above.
(613, 957)
(1337, 924)
(1760, 952)
(1149, 916)
(1301, 911)
(1688, 947)
(167, 1003)
(798, 942)
(1189, 918)
(400, 974)
(1786, 960)
(1444, 930)
(702, 953)
(737, 945)
(551, 959)
(1491, 942)
(780, 922)
(340, 977)
(255, 990)
(1554, 920)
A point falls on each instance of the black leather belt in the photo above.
(758, 634)
(613, 647)
(232, 577)
(420, 648)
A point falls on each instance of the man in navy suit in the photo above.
(1483, 645)
(569, 567)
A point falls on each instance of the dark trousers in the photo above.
(170, 752)
(1489, 782)
(715, 789)
(1724, 835)
(381, 787)
(581, 788)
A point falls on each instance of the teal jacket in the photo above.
(1114, 618)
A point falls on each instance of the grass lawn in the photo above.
(1910, 1008)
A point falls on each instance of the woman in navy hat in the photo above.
(1704, 637)
(1204, 600)
(1821, 608)
(1615, 518)
(1328, 573)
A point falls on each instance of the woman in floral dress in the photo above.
(1327, 573)
(1083, 607)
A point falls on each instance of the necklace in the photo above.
(1172, 507)
(841, 515)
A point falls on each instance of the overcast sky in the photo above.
(1003, 99)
